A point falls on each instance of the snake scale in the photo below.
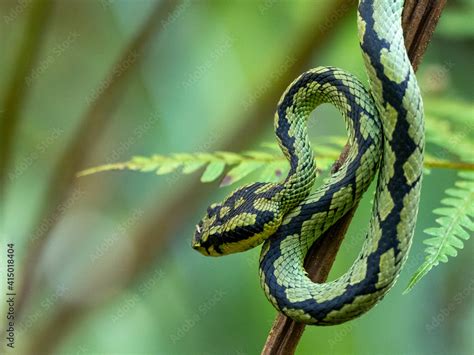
(386, 137)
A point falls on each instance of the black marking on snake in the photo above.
(330, 202)
(239, 234)
(282, 130)
(393, 94)
(397, 186)
(318, 311)
(355, 113)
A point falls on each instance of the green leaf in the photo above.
(240, 171)
(337, 140)
(259, 155)
(457, 111)
(167, 167)
(192, 166)
(213, 171)
(271, 145)
(324, 164)
(326, 150)
(182, 157)
(229, 157)
(454, 227)
(144, 164)
(151, 166)
(441, 133)
(275, 164)
(274, 172)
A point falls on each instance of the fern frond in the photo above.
(457, 142)
(455, 225)
(213, 165)
(456, 111)
(272, 165)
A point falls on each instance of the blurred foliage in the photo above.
(457, 22)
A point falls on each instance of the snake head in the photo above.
(245, 219)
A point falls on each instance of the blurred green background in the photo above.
(108, 256)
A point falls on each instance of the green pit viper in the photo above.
(386, 136)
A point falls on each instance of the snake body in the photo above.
(386, 136)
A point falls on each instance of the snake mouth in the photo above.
(197, 246)
(197, 241)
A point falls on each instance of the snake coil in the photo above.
(386, 136)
